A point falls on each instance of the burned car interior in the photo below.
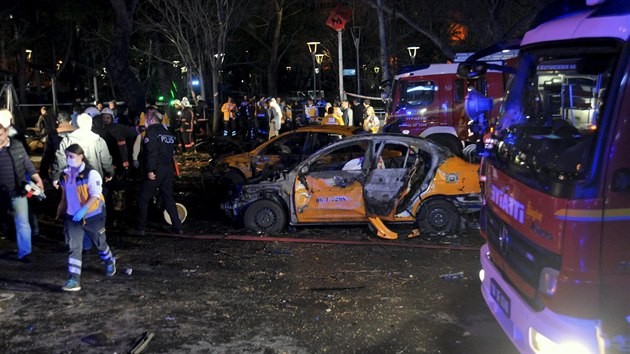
(363, 179)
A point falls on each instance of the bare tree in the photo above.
(382, 35)
(434, 37)
(118, 60)
(198, 30)
(265, 26)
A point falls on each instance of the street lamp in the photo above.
(220, 57)
(319, 58)
(312, 48)
(412, 53)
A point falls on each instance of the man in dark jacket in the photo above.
(159, 147)
(357, 112)
(15, 170)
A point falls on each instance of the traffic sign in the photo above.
(339, 17)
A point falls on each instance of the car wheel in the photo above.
(438, 217)
(266, 216)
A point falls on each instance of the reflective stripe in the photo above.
(75, 262)
(72, 269)
(107, 254)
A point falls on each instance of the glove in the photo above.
(136, 164)
(80, 214)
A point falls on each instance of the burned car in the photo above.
(376, 179)
(282, 152)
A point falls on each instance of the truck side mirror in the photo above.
(472, 70)
(476, 104)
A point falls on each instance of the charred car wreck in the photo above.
(367, 178)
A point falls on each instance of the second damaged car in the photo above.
(374, 179)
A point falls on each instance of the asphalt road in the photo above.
(220, 296)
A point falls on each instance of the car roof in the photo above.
(427, 144)
(344, 130)
(341, 129)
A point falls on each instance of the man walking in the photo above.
(158, 149)
(15, 169)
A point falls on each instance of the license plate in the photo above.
(500, 297)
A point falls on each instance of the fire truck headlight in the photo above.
(548, 281)
(543, 345)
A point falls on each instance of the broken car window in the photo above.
(336, 160)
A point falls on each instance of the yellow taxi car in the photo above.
(282, 152)
(376, 179)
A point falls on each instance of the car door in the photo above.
(329, 188)
(387, 176)
(287, 150)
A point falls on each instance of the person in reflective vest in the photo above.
(331, 118)
(84, 205)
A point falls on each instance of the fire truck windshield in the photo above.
(549, 121)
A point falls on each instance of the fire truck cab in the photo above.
(556, 265)
(428, 101)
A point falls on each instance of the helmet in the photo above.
(185, 102)
(176, 103)
(107, 111)
(92, 111)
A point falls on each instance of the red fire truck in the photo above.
(428, 100)
(556, 265)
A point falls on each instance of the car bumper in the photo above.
(524, 326)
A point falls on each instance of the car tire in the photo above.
(266, 216)
(437, 217)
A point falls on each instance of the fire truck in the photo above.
(556, 263)
(428, 100)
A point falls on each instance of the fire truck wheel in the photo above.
(266, 216)
(438, 217)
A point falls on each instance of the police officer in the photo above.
(159, 147)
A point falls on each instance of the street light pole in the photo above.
(342, 94)
(312, 48)
(356, 37)
(319, 58)
(412, 53)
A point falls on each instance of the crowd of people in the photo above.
(263, 116)
(86, 162)
(93, 154)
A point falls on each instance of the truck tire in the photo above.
(265, 216)
(438, 217)
(448, 141)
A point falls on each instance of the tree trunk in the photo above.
(382, 35)
(126, 82)
(216, 117)
(272, 67)
(272, 77)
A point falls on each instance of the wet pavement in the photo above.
(219, 294)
